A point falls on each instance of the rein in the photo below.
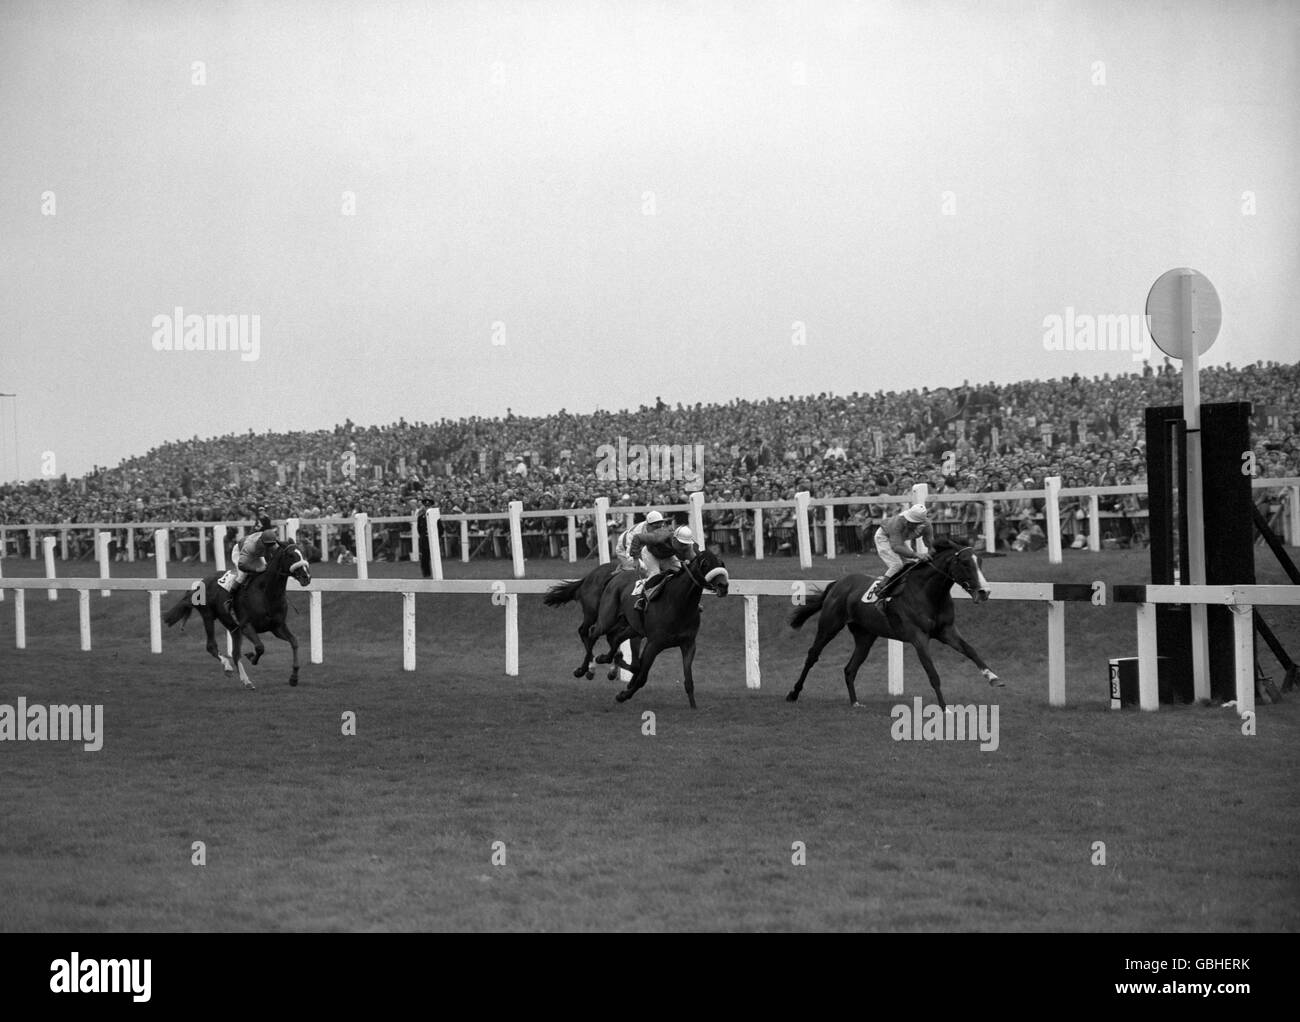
(949, 577)
(703, 583)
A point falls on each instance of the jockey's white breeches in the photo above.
(893, 563)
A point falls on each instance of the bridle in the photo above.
(949, 576)
(705, 582)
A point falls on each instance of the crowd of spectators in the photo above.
(973, 439)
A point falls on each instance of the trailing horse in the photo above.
(671, 618)
(262, 608)
(587, 591)
(920, 609)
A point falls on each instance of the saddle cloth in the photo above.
(227, 581)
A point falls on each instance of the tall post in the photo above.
(990, 529)
(361, 533)
(1094, 522)
(830, 532)
(697, 517)
(432, 517)
(758, 533)
(203, 544)
(1195, 491)
(752, 677)
(801, 527)
(1053, 486)
(464, 540)
(602, 529)
(573, 539)
(1056, 652)
(512, 634)
(83, 614)
(920, 495)
(317, 639)
(516, 508)
(48, 544)
(291, 527)
(160, 540)
(408, 631)
(895, 667)
(102, 539)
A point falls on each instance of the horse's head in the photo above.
(707, 568)
(290, 560)
(962, 565)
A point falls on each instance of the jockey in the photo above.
(252, 555)
(894, 541)
(663, 554)
(623, 548)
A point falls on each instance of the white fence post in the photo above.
(291, 527)
(160, 539)
(801, 527)
(102, 539)
(1148, 678)
(895, 667)
(317, 638)
(758, 533)
(1243, 634)
(130, 544)
(1094, 522)
(35, 546)
(573, 539)
(361, 535)
(415, 533)
(464, 540)
(1053, 486)
(63, 544)
(83, 613)
(203, 544)
(219, 545)
(602, 529)
(830, 533)
(20, 618)
(752, 676)
(2, 572)
(432, 518)
(155, 621)
(516, 508)
(1293, 514)
(697, 517)
(1056, 652)
(408, 631)
(512, 634)
(48, 544)
(990, 529)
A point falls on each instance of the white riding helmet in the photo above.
(653, 518)
(684, 536)
(917, 514)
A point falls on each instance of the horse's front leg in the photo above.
(652, 650)
(282, 632)
(920, 642)
(688, 658)
(949, 635)
(258, 648)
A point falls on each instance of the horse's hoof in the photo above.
(250, 686)
(623, 696)
(792, 697)
(581, 671)
(996, 682)
(293, 681)
(856, 705)
(590, 675)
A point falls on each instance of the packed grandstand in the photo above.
(970, 439)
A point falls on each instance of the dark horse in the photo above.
(920, 610)
(262, 608)
(586, 591)
(671, 619)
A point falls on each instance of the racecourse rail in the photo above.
(820, 535)
(506, 592)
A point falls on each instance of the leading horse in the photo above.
(921, 610)
(671, 619)
(263, 607)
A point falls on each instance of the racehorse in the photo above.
(671, 619)
(262, 608)
(587, 591)
(921, 610)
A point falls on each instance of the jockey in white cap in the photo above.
(662, 553)
(894, 541)
(623, 548)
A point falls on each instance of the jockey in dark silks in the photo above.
(253, 554)
(663, 552)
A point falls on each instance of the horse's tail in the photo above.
(562, 593)
(180, 611)
(812, 605)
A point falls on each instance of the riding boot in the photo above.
(644, 597)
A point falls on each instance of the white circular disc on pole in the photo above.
(1183, 307)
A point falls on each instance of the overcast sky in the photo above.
(637, 198)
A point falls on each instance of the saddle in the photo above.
(881, 591)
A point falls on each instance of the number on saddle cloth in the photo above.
(227, 581)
